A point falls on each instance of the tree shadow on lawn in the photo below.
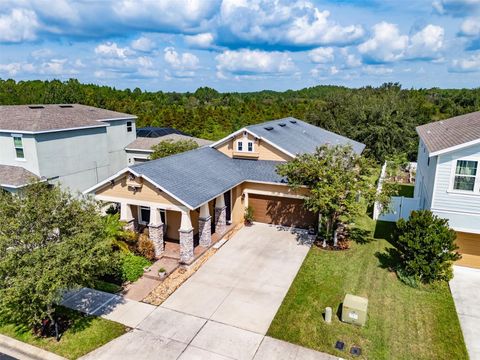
(360, 236)
(390, 259)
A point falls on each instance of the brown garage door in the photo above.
(469, 247)
(280, 211)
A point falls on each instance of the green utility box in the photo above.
(354, 310)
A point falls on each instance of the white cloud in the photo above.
(282, 23)
(455, 7)
(386, 44)
(470, 64)
(19, 25)
(253, 62)
(201, 41)
(376, 70)
(111, 50)
(15, 68)
(321, 55)
(470, 26)
(143, 44)
(56, 67)
(427, 42)
(166, 15)
(185, 61)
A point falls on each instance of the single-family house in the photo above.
(448, 178)
(74, 145)
(185, 198)
(139, 150)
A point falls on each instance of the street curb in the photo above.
(24, 351)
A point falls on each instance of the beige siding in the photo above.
(174, 219)
(263, 150)
(147, 192)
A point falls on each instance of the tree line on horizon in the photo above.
(384, 118)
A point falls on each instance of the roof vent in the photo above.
(36, 106)
(66, 106)
(269, 128)
(293, 121)
(282, 124)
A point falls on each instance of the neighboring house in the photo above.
(448, 178)
(188, 196)
(75, 145)
(140, 149)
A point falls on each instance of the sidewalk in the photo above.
(108, 306)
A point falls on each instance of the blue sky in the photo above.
(242, 45)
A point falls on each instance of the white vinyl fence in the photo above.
(400, 206)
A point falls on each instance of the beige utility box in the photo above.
(354, 310)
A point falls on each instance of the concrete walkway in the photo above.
(465, 288)
(224, 310)
(108, 306)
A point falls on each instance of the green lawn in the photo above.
(107, 286)
(403, 322)
(86, 334)
(406, 190)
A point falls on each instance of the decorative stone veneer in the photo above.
(205, 231)
(221, 220)
(156, 235)
(186, 246)
(131, 225)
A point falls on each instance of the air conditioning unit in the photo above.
(354, 310)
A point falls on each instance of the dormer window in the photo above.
(240, 146)
(250, 146)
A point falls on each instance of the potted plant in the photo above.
(248, 216)
(162, 273)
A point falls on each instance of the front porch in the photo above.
(176, 231)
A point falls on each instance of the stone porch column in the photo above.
(127, 217)
(186, 238)
(220, 215)
(155, 230)
(205, 226)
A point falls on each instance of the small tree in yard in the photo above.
(426, 246)
(336, 177)
(50, 241)
(171, 147)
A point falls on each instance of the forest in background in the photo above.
(384, 118)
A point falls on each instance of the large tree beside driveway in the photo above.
(49, 241)
(337, 178)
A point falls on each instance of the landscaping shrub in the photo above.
(426, 247)
(132, 266)
(145, 247)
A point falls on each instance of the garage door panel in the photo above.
(469, 247)
(280, 211)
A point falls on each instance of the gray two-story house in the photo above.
(74, 145)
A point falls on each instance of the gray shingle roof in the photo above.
(444, 134)
(39, 118)
(198, 176)
(298, 137)
(15, 176)
(146, 143)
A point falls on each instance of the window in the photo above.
(144, 215)
(18, 144)
(240, 146)
(129, 126)
(250, 146)
(465, 174)
(428, 161)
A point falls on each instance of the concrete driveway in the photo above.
(465, 288)
(224, 310)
